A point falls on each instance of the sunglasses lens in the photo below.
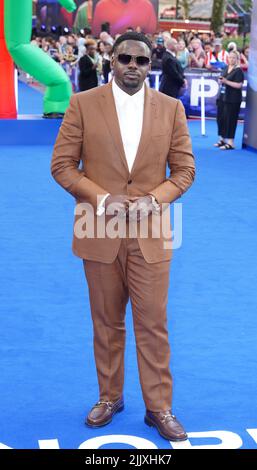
(125, 59)
(142, 60)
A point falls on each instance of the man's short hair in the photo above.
(90, 42)
(132, 35)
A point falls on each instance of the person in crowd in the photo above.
(220, 54)
(45, 44)
(172, 78)
(99, 68)
(212, 36)
(72, 41)
(105, 37)
(107, 60)
(244, 58)
(68, 62)
(69, 55)
(232, 46)
(166, 35)
(38, 40)
(206, 37)
(217, 57)
(196, 54)
(88, 64)
(188, 36)
(100, 47)
(53, 51)
(62, 44)
(81, 47)
(229, 101)
(207, 47)
(158, 50)
(182, 54)
(157, 53)
(34, 42)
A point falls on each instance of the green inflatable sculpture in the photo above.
(18, 24)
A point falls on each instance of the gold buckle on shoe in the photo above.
(167, 415)
(105, 402)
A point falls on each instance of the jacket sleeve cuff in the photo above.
(100, 208)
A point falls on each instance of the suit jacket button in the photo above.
(129, 181)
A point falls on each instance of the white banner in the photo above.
(197, 8)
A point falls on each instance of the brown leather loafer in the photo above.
(103, 411)
(167, 425)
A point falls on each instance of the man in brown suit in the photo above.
(125, 134)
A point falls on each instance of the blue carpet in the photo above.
(30, 100)
(48, 380)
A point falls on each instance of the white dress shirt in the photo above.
(130, 111)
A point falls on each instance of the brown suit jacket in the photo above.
(90, 135)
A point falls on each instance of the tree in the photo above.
(186, 5)
(247, 5)
(217, 20)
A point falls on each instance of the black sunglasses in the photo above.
(140, 60)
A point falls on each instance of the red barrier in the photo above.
(7, 91)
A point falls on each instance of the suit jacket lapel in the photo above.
(111, 118)
(148, 117)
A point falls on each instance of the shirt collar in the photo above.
(170, 52)
(123, 97)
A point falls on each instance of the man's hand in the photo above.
(116, 205)
(134, 208)
(140, 207)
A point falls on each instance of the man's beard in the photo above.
(131, 83)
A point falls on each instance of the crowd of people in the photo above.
(91, 57)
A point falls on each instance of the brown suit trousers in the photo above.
(110, 287)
